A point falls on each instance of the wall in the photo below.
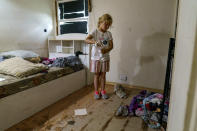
(141, 32)
(183, 106)
(22, 25)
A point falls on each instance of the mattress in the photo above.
(12, 85)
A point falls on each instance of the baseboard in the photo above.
(135, 87)
(90, 85)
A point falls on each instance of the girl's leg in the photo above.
(96, 81)
(103, 93)
(95, 67)
(105, 68)
(96, 86)
(103, 80)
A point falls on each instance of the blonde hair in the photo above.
(105, 18)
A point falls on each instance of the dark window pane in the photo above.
(86, 7)
(73, 9)
(74, 27)
(73, 15)
(74, 6)
(61, 11)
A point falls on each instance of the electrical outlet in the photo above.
(123, 77)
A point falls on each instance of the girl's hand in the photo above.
(103, 50)
(98, 44)
(107, 49)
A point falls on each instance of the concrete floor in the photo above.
(60, 116)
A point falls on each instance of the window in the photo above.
(72, 17)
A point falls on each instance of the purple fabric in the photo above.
(47, 61)
(135, 103)
(139, 112)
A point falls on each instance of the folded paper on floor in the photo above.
(80, 112)
(2, 79)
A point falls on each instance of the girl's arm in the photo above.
(90, 40)
(110, 47)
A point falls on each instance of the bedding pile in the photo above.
(11, 84)
(21, 70)
(1, 58)
(72, 61)
(19, 53)
(27, 55)
(19, 67)
(21, 63)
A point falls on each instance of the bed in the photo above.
(22, 97)
(12, 85)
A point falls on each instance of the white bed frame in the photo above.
(22, 105)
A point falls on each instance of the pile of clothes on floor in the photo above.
(120, 91)
(146, 105)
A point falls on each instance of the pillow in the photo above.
(1, 58)
(34, 59)
(19, 67)
(19, 53)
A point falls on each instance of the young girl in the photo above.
(102, 43)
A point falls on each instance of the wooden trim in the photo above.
(56, 16)
(136, 87)
(89, 6)
(74, 19)
(90, 85)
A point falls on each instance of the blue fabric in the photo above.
(72, 61)
(1, 58)
(149, 114)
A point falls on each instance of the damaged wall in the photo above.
(22, 25)
(141, 32)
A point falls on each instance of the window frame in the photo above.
(75, 36)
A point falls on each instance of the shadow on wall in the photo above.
(147, 66)
(26, 31)
(33, 6)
